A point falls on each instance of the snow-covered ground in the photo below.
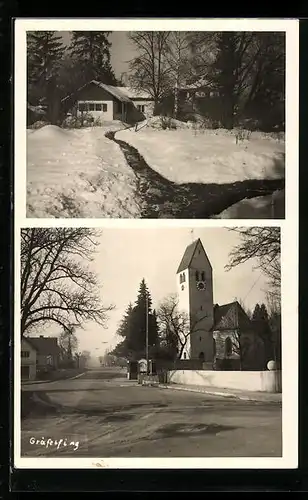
(261, 207)
(208, 156)
(78, 173)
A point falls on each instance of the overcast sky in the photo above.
(125, 256)
(121, 51)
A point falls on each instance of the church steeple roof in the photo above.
(188, 255)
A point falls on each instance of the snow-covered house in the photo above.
(142, 100)
(107, 102)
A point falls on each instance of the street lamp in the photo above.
(147, 330)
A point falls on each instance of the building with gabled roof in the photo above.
(107, 103)
(220, 335)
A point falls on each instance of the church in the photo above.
(221, 337)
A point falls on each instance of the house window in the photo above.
(104, 108)
(91, 106)
(82, 106)
(141, 107)
(25, 354)
(98, 106)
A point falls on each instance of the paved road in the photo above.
(103, 414)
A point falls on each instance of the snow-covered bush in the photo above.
(39, 124)
(85, 120)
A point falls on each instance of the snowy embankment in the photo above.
(208, 156)
(78, 173)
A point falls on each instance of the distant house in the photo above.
(28, 359)
(236, 343)
(107, 103)
(47, 352)
(200, 98)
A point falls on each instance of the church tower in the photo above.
(195, 290)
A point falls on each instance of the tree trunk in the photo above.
(176, 100)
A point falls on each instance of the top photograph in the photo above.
(155, 124)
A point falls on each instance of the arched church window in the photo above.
(203, 276)
(201, 356)
(197, 275)
(184, 355)
(184, 279)
(181, 278)
(228, 347)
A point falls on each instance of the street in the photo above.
(102, 414)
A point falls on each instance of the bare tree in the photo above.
(150, 70)
(178, 59)
(57, 285)
(68, 341)
(177, 324)
(262, 244)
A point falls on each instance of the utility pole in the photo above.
(147, 330)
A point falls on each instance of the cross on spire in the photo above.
(192, 234)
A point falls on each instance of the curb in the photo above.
(218, 393)
(35, 382)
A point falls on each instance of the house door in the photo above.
(25, 372)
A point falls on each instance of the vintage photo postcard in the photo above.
(146, 120)
(174, 348)
(145, 343)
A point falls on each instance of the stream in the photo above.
(162, 198)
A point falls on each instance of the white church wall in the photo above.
(264, 381)
(198, 304)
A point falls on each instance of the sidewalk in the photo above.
(267, 397)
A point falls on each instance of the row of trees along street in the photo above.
(58, 288)
(245, 72)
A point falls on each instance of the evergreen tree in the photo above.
(133, 326)
(44, 54)
(262, 326)
(92, 51)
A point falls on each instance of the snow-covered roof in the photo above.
(202, 82)
(135, 93)
(115, 91)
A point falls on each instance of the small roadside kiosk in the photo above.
(142, 369)
(132, 370)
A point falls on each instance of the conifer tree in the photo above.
(44, 54)
(92, 50)
(133, 326)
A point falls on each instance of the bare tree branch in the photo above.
(56, 284)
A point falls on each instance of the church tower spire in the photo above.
(195, 289)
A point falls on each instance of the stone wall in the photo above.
(265, 381)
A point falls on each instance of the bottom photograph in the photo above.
(150, 342)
